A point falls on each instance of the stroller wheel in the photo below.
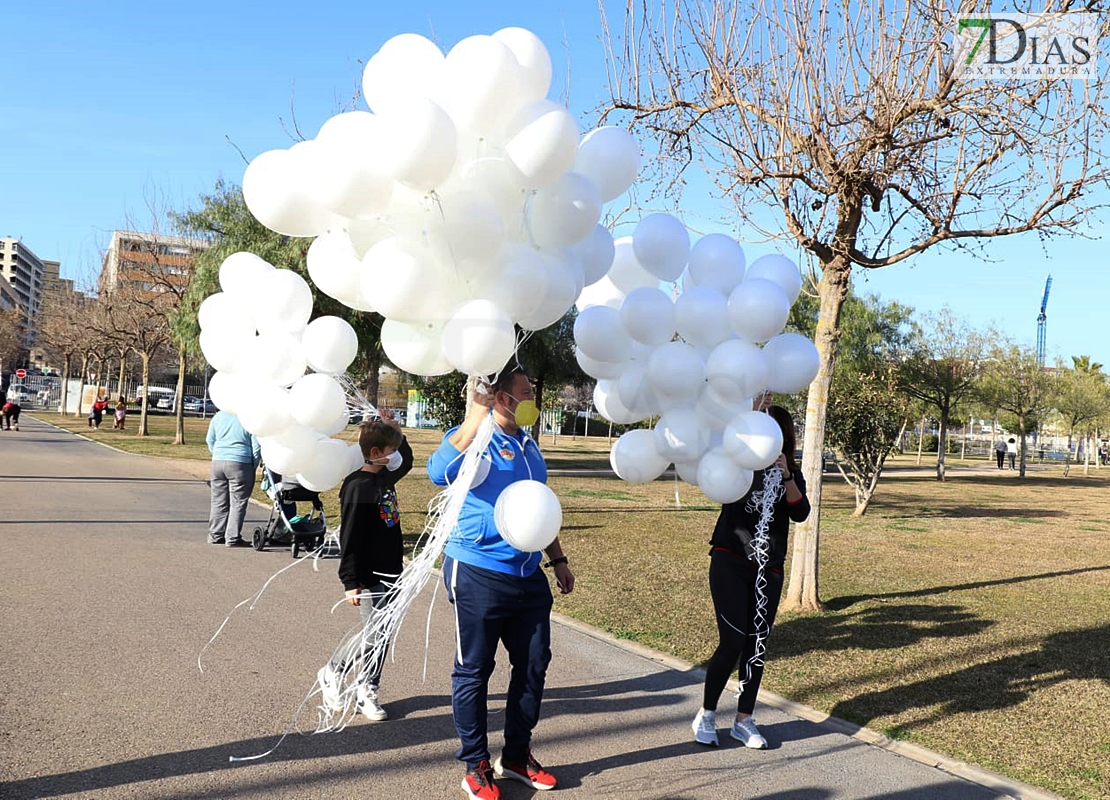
(259, 539)
(296, 547)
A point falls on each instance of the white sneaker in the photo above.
(705, 728)
(368, 704)
(329, 688)
(746, 732)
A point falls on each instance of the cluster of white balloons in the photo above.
(463, 202)
(694, 359)
(257, 335)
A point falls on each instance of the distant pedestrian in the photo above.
(1000, 453)
(235, 457)
(121, 414)
(9, 415)
(96, 410)
(1011, 451)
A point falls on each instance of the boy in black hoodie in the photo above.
(371, 552)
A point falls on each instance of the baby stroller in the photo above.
(286, 526)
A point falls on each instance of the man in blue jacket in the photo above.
(235, 458)
(498, 592)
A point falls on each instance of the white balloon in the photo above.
(701, 317)
(635, 392)
(715, 412)
(289, 450)
(317, 400)
(348, 175)
(225, 350)
(793, 361)
(275, 358)
(282, 302)
(688, 471)
(330, 344)
(399, 279)
(482, 85)
(627, 273)
(501, 182)
(265, 410)
(720, 479)
(662, 245)
(610, 157)
(564, 212)
(781, 270)
(226, 390)
(601, 293)
(737, 370)
(543, 142)
(415, 347)
(516, 280)
(329, 465)
(354, 452)
(533, 58)
(717, 260)
(599, 334)
(635, 459)
(419, 143)
(225, 313)
(753, 439)
(561, 292)
(758, 309)
(677, 369)
(595, 368)
(596, 252)
(240, 273)
(276, 190)
(337, 425)
(334, 266)
(479, 339)
(472, 226)
(406, 66)
(679, 436)
(648, 315)
(528, 515)
(608, 404)
(365, 233)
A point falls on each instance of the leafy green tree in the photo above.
(224, 221)
(1081, 397)
(1014, 382)
(548, 357)
(445, 396)
(941, 368)
(867, 416)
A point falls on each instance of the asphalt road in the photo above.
(109, 592)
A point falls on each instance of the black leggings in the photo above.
(732, 584)
(1001, 454)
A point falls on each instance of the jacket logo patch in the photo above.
(507, 453)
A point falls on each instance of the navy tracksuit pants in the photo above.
(492, 607)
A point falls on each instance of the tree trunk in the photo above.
(67, 367)
(942, 442)
(1021, 449)
(920, 439)
(179, 400)
(122, 375)
(144, 430)
(81, 386)
(802, 592)
(373, 367)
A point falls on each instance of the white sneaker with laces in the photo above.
(329, 688)
(705, 728)
(368, 704)
(745, 731)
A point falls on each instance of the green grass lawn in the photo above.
(970, 617)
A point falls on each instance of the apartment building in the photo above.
(148, 263)
(23, 271)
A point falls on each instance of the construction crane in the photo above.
(1041, 319)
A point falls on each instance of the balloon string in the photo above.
(762, 501)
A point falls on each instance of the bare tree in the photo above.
(11, 337)
(845, 130)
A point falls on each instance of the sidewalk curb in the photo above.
(960, 769)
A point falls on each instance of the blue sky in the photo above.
(106, 105)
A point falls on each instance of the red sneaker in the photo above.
(530, 772)
(479, 784)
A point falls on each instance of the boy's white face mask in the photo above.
(392, 461)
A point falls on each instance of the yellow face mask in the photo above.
(526, 413)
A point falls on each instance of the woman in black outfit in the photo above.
(733, 571)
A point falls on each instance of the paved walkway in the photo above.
(109, 592)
